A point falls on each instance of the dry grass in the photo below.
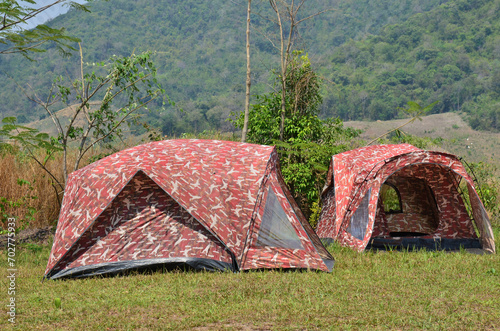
(38, 195)
(35, 203)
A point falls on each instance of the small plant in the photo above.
(488, 189)
(57, 303)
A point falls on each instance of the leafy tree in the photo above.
(18, 39)
(307, 142)
(287, 21)
(100, 102)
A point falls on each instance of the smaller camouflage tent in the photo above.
(204, 204)
(402, 196)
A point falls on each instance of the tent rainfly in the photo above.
(402, 197)
(200, 204)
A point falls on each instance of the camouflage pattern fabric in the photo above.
(355, 173)
(177, 198)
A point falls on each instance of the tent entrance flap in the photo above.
(408, 207)
(142, 223)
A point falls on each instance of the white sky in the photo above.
(49, 13)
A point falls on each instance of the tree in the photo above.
(17, 39)
(307, 142)
(130, 82)
(249, 78)
(287, 21)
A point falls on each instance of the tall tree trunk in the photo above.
(249, 82)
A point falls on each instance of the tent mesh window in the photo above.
(391, 199)
(359, 221)
(275, 229)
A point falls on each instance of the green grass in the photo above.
(388, 290)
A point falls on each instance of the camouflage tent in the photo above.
(202, 204)
(402, 196)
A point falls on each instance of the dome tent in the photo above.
(404, 197)
(204, 204)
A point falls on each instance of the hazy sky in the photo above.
(49, 13)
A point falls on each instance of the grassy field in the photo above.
(376, 290)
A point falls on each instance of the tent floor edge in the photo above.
(123, 267)
(433, 244)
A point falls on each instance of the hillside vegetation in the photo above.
(450, 54)
(199, 50)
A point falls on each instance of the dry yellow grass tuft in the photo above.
(26, 191)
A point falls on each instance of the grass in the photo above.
(377, 290)
(391, 290)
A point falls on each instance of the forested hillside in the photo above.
(450, 54)
(374, 55)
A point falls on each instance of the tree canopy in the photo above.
(17, 37)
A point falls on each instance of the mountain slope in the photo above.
(199, 49)
(450, 54)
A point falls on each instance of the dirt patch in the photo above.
(39, 236)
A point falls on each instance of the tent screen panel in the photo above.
(359, 221)
(391, 199)
(276, 229)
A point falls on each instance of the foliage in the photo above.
(16, 38)
(308, 141)
(449, 54)
(390, 199)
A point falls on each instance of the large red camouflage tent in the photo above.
(400, 196)
(202, 204)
